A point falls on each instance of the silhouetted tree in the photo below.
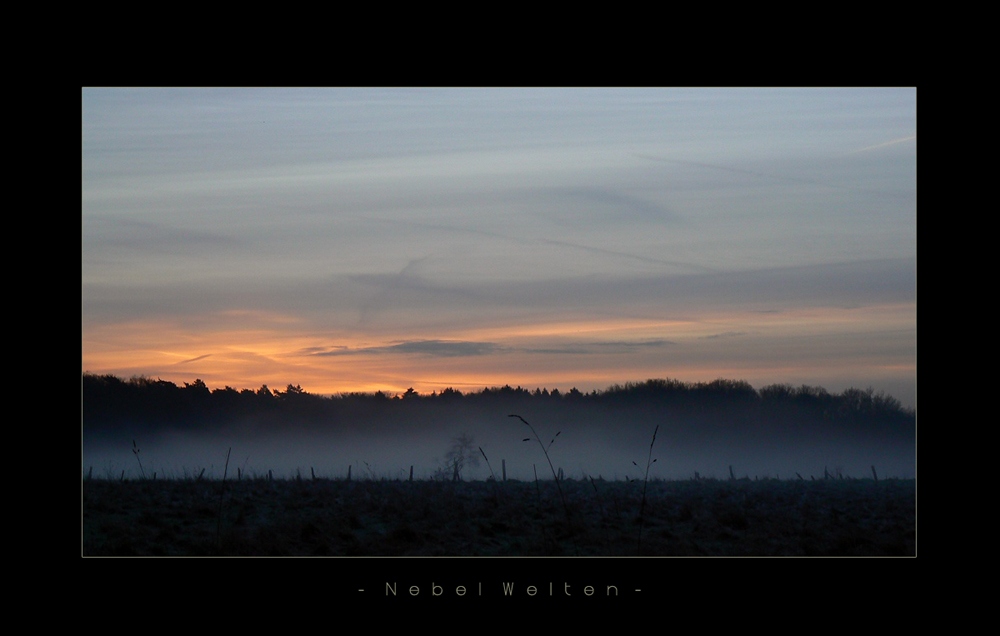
(461, 454)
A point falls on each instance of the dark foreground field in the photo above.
(835, 517)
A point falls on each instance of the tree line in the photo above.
(109, 402)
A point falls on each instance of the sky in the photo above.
(366, 239)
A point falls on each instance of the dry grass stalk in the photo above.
(222, 492)
(493, 476)
(135, 451)
(642, 508)
(545, 450)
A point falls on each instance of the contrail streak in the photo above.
(777, 177)
(883, 144)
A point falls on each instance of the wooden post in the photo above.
(348, 472)
(874, 474)
(732, 475)
(313, 471)
(503, 467)
(411, 472)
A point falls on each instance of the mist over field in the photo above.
(608, 454)
(805, 432)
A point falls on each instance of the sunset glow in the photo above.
(378, 240)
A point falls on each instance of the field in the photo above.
(323, 517)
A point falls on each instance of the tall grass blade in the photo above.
(545, 450)
(642, 507)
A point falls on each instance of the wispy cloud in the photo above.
(599, 347)
(591, 204)
(111, 232)
(683, 267)
(458, 348)
(195, 359)
(433, 348)
(727, 334)
(630, 346)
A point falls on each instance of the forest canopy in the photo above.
(110, 402)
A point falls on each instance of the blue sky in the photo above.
(379, 239)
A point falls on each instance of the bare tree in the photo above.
(462, 454)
